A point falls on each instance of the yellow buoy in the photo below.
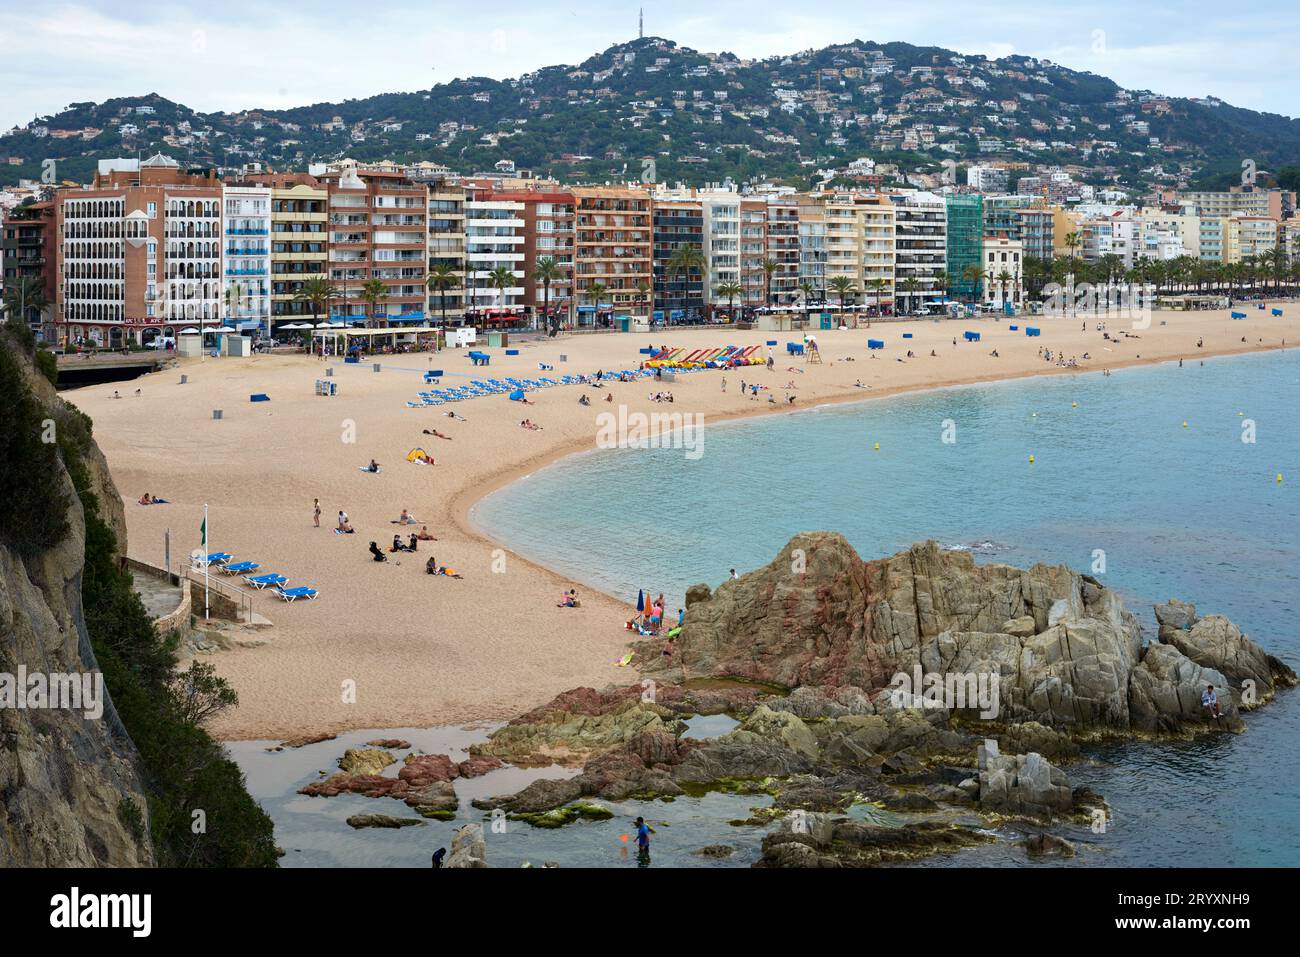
(1184, 425)
(877, 446)
(1279, 478)
(1074, 405)
(1031, 460)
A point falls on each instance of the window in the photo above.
(152, 209)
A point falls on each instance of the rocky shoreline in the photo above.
(952, 694)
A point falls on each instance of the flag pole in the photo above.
(205, 561)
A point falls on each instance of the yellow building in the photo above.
(859, 242)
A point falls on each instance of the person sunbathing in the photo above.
(146, 499)
(583, 400)
(424, 535)
(436, 434)
(568, 600)
(426, 459)
(378, 555)
(449, 572)
(609, 397)
(372, 467)
(406, 518)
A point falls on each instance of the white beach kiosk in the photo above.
(342, 338)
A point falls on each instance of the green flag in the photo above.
(203, 532)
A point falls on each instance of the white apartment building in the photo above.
(246, 258)
(920, 248)
(987, 179)
(1003, 263)
(721, 243)
(494, 238)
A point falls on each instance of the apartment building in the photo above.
(679, 294)
(858, 234)
(246, 257)
(920, 248)
(783, 248)
(27, 260)
(987, 179)
(494, 240)
(813, 249)
(139, 252)
(447, 247)
(1276, 204)
(1250, 236)
(548, 221)
(613, 250)
(965, 240)
(377, 231)
(1003, 265)
(299, 242)
(753, 252)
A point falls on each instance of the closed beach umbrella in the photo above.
(640, 600)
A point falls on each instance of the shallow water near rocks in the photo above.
(314, 831)
(1190, 512)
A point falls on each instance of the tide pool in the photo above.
(1141, 478)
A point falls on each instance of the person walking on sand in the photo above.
(315, 512)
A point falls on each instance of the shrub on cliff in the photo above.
(33, 509)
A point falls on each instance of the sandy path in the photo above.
(424, 650)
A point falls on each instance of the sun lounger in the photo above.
(293, 594)
(215, 558)
(240, 568)
(264, 581)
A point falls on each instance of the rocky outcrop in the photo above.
(1024, 784)
(821, 840)
(1063, 650)
(468, 848)
(70, 788)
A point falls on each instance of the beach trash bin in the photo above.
(1014, 328)
(216, 413)
(376, 367)
(184, 379)
(329, 373)
(908, 335)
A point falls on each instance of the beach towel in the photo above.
(624, 661)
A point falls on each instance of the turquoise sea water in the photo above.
(1190, 512)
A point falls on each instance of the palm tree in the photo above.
(1004, 280)
(20, 295)
(769, 267)
(374, 291)
(685, 259)
(642, 293)
(442, 277)
(501, 278)
(806, 288)
(1276, 260)
(843, 286)
(317, 292)
(877, 286)
(546, 272)
(974, 274)
(595, 291)
(910, 286)
(731, 290)
(942, 281)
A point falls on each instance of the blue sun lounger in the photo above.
(293, 594)
(240, 568)
(215, 558)
(263, 581)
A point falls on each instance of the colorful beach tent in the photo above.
(415, 454)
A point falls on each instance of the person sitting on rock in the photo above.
(1210, 701)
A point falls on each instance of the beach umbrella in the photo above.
(322, 325)
(516, 395)
(191, 331)
(640, 600)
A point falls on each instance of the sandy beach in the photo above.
(424, 650)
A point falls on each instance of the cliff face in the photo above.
(70, 791)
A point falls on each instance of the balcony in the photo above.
(248, 232)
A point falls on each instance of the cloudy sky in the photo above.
(235, 54)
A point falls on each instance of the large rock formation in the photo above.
(70, 791)
(1065, 651)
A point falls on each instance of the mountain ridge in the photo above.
(706, 116)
